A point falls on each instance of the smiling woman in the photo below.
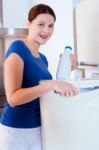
(40, 29)
(24, 68)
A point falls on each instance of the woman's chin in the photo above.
(42, 42)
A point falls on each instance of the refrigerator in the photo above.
(71, 123)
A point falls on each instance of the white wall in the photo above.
(75, 3)
(15, 13)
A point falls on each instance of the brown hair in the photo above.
(40, 9)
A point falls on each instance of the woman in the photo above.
(24, 67)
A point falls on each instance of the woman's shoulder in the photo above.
(17, 43)
(16, 46)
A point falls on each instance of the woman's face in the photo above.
(41, 28)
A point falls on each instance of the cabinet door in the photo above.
(87, 27)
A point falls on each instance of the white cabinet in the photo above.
(87, 27)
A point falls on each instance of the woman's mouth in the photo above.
(44, 36)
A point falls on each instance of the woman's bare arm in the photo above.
(13, 74)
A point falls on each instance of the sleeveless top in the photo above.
(35, 69)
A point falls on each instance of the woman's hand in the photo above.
(73, 62)
(64, 88)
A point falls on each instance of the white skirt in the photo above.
(20, 139)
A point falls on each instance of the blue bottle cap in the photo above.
(68, 47)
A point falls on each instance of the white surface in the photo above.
(71, 123)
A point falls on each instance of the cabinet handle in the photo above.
(88, 89)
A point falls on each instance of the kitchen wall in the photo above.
(15, 15)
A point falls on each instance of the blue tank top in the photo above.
(35, 69)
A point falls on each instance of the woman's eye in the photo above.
(41, 24)
(51, 26)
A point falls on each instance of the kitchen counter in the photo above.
(71, 123)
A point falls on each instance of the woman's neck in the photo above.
(33, 46)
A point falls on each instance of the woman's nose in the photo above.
(46, 30)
